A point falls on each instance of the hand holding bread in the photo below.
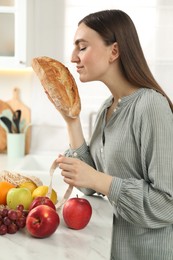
(59, 85)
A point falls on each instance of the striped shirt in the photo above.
(136, 147)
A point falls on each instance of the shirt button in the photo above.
(75, 154)
(101, 150)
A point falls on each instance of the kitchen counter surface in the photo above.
(92, 242)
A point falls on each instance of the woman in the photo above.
(129, 158)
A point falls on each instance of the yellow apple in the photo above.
(17, 196)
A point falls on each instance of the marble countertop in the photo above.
(92, 242)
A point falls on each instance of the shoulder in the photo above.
(151, 101)
(152, 109)
(150, 96)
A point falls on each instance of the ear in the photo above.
(114, 52)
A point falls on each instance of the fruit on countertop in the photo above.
(42, 200)
(16, 196)
(77, 213)
(22, 200)
(27, 204)
(42, 221)
(12, 220)
(16, 178)
(29, 185)
(4, 188)
(42, 191)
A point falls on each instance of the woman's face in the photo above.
(90, 54)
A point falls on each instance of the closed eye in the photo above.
(82, 49)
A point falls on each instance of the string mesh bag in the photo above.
(16, 178)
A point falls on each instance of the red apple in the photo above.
(42, 221)
(42, 200)
(77, 213)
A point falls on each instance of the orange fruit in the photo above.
(4, 188)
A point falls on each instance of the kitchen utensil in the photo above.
(7, 113)
(22, 125)
(3, 134)
(16, 103)
(16, 119)
(7, 123)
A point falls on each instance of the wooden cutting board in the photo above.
(3, 134)
(16, 103)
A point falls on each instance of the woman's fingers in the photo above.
(75, 171)
(66, 174)
(69, 164)
(65, 166)
(64, 159)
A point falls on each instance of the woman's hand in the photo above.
(66, 118)
(79, 174)
(76, 172)
(74, 128)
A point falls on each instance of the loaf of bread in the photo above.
(58, 84)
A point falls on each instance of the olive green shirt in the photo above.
(136, 148)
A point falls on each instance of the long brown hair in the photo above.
(117, 26)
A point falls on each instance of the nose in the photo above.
(74, 57)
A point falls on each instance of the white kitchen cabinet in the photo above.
(30, 28)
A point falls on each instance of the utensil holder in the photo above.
(15, 145)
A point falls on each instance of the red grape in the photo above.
(3, 229)
(20, 207)
(19, 213)
(6, 221)
(21, 222)
(12, 220)
(12, 228)
(12, 214)
(4, 212)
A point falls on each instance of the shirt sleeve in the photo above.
(148, 202)
(83, 154)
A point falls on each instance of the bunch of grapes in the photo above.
(12, 220)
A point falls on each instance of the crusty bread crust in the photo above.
(59, 85)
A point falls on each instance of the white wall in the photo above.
(154, 22)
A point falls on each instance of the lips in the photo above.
(79, 68)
